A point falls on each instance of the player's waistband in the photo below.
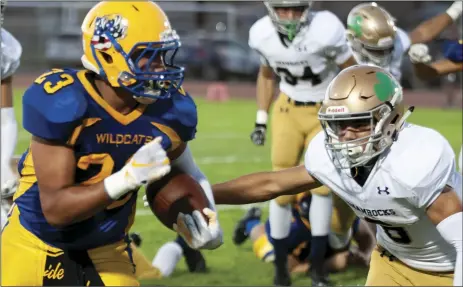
(300, 103)
(383, 252)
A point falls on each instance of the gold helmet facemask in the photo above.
(371, 32)
(362, 95)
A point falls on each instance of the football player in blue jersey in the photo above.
(423, 65)
(345, 226)
(98, 135)
(453, 50)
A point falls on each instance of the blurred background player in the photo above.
(339, 252)
(376, 40)
(108, 129)
(10, 58)
(427, 69)
(170, 253)
(300, 47)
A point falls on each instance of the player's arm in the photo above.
(194, 229)
(264, 186)
(182, 158)
(11, 57)
(446, 213)
(430, 29)
(438, 192)
(9, 133)
(366, 242)
(265, 93)
(439, 68)
(63, 202)
(202, 234)
(265, 86)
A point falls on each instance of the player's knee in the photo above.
(285, 200)
(338, 262)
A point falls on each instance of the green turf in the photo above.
(223, 151)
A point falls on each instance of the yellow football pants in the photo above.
(28, 261)
(144, 268)
(293, 127)
(384, 272)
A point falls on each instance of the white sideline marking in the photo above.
(227, 159)
(145, 211)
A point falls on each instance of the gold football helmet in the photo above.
(371, 32)
(358, 95)
(117, 39)
(289, 27)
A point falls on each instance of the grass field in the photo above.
(223, 151)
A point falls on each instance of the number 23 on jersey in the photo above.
(52, 87)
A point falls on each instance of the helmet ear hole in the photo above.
(394, 120)
(108, 59)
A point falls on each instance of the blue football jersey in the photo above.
(453, 50)
(64, 106)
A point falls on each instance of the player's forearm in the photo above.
(436, 69)
(451, 230)
(186, 163)
(425, 71)
(262, 186)
(74, 204)
(365, 238)
(265, 89)
(430, 29)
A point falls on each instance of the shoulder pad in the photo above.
(403, 40)
(260, 30)
(178, 113)
(316, 157)
(54, 105)
(425, 163)
(332, 34)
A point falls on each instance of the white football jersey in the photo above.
(401, 45)
(3, 217)
(11, 54)
(403, 183)
(308, 63)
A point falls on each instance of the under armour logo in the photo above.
(385, 190)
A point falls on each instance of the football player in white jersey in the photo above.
(10, 58)
(374, 38)
(398, 175)
(306, 50)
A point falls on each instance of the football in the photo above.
(174, 193)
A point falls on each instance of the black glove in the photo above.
(258, 135)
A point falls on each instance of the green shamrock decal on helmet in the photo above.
(385, 87)
(355, 24)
